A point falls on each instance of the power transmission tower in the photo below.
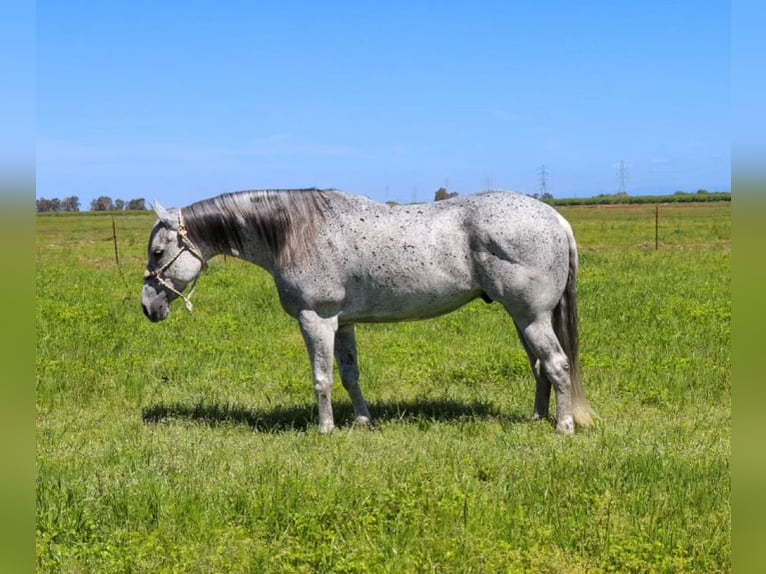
(622, 176)
(543, 173)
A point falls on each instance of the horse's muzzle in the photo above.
(153, 316)
(154, 304)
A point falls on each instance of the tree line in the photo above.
(102, 203)
(702, 196)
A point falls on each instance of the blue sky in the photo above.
(178, 101)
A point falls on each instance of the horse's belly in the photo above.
(396, 303)
(398, 282)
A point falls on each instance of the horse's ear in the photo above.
(164, 215)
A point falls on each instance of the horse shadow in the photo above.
(420, 412)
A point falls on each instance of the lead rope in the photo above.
(182, 232)
(187, 298)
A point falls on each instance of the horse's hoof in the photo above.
(566, 427)
(365, 423)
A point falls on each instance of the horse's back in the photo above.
(450, 237)
(399, 262)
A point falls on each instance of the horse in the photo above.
(339, 259)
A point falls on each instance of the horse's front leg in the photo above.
(319, 334)
(345, 354)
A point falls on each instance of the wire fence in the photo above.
(651, 227)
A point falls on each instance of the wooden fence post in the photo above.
(114, 238)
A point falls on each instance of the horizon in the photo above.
(149, 203)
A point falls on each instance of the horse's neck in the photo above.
(281, 231)
(253, 249)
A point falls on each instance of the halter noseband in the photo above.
(186, 245)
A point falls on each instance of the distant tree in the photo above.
(442, 194)
(137, 204)
(703, 192)
(546, 195)
(679, 192)
(103, 203)
(71, 203)
(119, 204)
(43, 205)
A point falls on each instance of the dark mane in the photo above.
(286, 221)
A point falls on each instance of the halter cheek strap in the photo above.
(186, 245)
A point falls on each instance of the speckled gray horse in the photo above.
(339, 259)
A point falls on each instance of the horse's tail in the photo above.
(565, 325)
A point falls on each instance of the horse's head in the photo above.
(174, 262)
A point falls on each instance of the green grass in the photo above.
(191, 445)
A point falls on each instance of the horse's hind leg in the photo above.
(348, 365)
(538, 334)
(543, 391)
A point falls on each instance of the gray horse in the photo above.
(339, 259)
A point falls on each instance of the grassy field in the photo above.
(191, 445)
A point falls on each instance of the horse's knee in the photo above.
(323, 387)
